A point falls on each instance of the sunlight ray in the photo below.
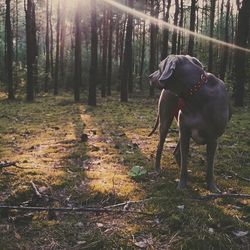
(164, 24)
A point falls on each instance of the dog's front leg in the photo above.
(211, 149)
(184, 149)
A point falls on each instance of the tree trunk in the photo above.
(131, 66)
(47, 62)
(127, 61)
(153, 45)
(142, 54)
(180, 33)
(57, 48)
(117, 38)
(109, 73)
(211, 34)
(51, 43)
(122, 35)
(224, 60)
(9, 52)
(62, 48)
(93, 65)
(240, 57)
(174, 37)
(192, 27)
(17, 46)
(104, 52)
(164, 52)
(31, 48)
(78, 53)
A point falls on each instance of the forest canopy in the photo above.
(50, 46)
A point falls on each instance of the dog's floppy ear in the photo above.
(154, 79)
(167, 68)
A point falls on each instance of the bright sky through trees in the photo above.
(161, 23)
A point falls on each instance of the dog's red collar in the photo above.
(196, 87)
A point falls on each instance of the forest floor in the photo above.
(71, 155)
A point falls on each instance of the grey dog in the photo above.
(201, 105)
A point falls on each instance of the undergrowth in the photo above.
(81, 156)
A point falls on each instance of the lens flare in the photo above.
(167, 25)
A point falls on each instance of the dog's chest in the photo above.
(197, 126)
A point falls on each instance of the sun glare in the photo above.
(71, 4)
(168, 25)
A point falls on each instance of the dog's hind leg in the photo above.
(166, 111)
(164, 127)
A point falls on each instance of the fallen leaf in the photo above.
(181, 207)
(81, 242)
(240, 233)
(100, 225)
(18, 236)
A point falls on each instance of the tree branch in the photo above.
(8, 164)
(73, 209)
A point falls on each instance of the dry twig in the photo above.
(8, 164)
(35, 189)
(73, 209)
(127, 203)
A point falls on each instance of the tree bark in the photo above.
(174, 37)
(9, 52)
(78, 53)
(142, 54)
(93, 65)
(17, 46)
(104, 52)
(47, 50)
(242, 36)
(127, 61)
(165, 38)
(153, 45)
(57, 48)
(225, 49)
(122, 35)
(192, 27)
(51, 42)
(109, 73)
(180, 25)
(62, 48)
(31, 49)
(211, 34)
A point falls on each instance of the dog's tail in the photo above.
(156, 125)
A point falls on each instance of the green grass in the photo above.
(44, 138)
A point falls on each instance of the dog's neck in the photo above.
(194, 89)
